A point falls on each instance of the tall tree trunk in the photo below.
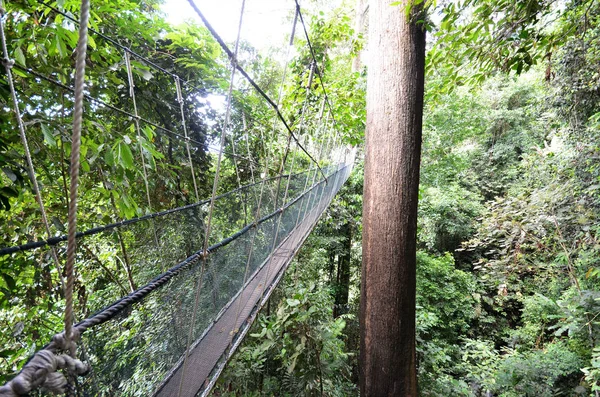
(395, 87)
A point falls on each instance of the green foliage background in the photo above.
(508, 277)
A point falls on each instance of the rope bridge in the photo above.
(197, 274)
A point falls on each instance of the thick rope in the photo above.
(187, 141)
(75, 160)
(8, 64)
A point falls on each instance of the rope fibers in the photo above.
(74, 170)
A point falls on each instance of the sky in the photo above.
(266, 22)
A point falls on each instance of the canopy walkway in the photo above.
(196, 274)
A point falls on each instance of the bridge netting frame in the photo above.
(175, 333)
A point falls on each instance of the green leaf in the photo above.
(10, 282)
(293, 302)
(20, 57)
(149, 133)
(124, 155)
(48, 136)
(60, 46)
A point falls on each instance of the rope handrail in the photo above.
(114, 309)
(41, 369)
(59, 239)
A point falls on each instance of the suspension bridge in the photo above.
(196, 274)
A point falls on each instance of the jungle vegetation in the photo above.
(508, 268)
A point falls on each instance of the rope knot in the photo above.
(7, 62)
(60, 340)
(42, 371)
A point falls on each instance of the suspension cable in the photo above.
(233, 57)
(136, 121)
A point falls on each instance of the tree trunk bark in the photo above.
(395, 87)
